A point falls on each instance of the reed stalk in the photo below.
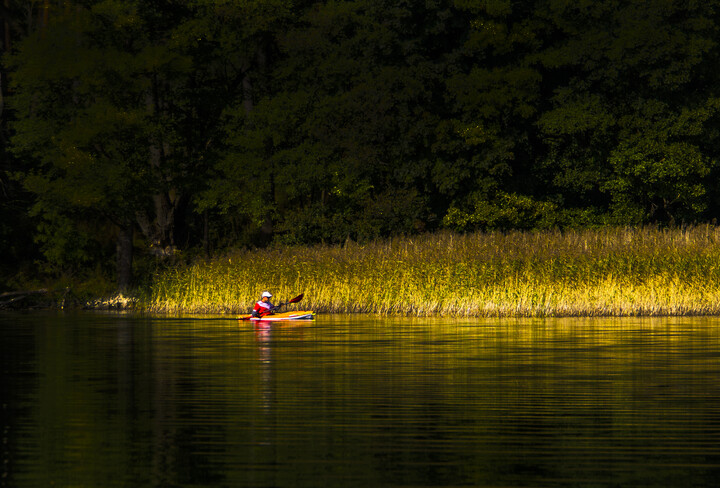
(614, 271)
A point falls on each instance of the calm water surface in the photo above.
(99, 400)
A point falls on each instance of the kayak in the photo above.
(277, 317)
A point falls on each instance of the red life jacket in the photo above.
(263, 307)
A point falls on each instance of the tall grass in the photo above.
(616, 271)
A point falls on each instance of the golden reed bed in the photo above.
(617, 271)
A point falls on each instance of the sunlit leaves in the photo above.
(503, 211)
(656, 179)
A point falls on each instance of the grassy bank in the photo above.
(593, 272)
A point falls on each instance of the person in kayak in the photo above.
(264, 307)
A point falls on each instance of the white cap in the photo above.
(266, 294)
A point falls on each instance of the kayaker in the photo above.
(264, 307)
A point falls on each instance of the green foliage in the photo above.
(372, 217)
(67, 247)
(656, 180)
(334, 151)
(504, 211)
(227, 123)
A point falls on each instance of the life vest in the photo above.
(263, 306)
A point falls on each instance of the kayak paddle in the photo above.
(293, 300)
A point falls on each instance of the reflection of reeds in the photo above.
(619, 271)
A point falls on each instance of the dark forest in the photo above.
(139, 130)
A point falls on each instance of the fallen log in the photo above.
(15, 296)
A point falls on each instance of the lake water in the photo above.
(110, 400)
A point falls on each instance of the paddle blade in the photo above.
(297, 298)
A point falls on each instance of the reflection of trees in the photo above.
(128, 402)
(187, 431)
(124, 403)
(18, 389)
(508, 403)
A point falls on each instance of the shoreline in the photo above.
(230, 315)
(616, 272)
(603, 272)
(124, 303)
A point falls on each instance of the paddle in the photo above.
(292, 300)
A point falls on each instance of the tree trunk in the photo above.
(247, 90)
(124, 257)
(206, 233)
(6, 45)
(46, 14)
(158, 225)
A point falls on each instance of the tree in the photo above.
(632, 99)
(92, 94)
(487, 148)
(577, 113)
(340, 147)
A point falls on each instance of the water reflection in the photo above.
(107, 400)
(263, 335)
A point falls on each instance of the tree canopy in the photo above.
(158, 127)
